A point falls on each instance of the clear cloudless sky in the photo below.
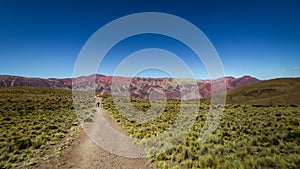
(260, 38)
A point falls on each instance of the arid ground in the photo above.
(83, 153)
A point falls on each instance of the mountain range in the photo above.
(139, 87)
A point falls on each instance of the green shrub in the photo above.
(22, 143)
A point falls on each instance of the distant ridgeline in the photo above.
(139, 87)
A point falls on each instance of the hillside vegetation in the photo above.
(283, 91)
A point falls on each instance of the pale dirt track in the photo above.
(85, 154)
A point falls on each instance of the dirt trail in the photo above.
(85, 154)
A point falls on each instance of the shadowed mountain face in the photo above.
(283, 91)
(6, 80)
(158, 88)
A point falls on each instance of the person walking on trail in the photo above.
(98, 104)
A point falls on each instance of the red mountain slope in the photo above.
(137, 87)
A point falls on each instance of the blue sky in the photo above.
(257, 38)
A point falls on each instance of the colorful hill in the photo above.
(139, 87)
